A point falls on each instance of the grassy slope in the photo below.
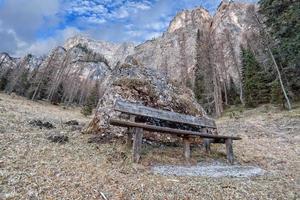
(32, 167)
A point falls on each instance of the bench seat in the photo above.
(148, 127)
(136, 128)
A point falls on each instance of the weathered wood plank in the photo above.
(136, 109)
(137, 144)
(229, 150)
(187, 148)
(130, 133)
(167, 130)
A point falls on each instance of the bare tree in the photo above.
(267, 41)
(42, 73)
(15, 77)
(216, 88)
(224, 72)
(236, 65)
(207, 83)
(217, 94)
(61, 72)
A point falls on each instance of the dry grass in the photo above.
(31, 167)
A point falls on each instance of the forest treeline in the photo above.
(69, 76)
(276, 81)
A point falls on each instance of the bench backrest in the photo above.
(145, 111)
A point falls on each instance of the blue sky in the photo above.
(36, 26)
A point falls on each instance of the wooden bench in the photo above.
(200, 126)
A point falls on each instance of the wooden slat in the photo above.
(147, 127)
(136, 109)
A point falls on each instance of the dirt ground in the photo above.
(32, 167)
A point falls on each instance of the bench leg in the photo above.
(130, 133)
(129, 137)
(229, 151)
(207, 143)
(137, 144)
(187, 148)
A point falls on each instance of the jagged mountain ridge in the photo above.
(233, 25)
(173, 53)
(114, 53)
(67, 74)
(82, 60)
(6, 61)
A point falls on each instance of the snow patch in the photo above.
(215, 170)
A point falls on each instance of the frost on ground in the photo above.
(33, 167)
(215, 170)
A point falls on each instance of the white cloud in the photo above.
(43, 46)
(152, 35)
(157, 25)
(139, 5)
(26, 17)
(93, 20)
(118, 9)
(135, 33)
(120, 13)
(40, 47)
(20, 21)
(9, 40)
(128, 26)
(85, 7)
(67, 33)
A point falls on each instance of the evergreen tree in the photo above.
(233, 95)
(3, 82)
(58, 95)
(204, 74)
(4, 79)
(255, 81)
(199, 72)
(282, 17)
(22, 83)
(276, 93)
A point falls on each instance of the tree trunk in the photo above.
(280, 80)
(236, 66)
(36, 90)
(225, 93)
(267, 37)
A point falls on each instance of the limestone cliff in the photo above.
(174, 53)
(222, 35)
(112, 52)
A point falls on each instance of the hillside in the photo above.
(32, 167)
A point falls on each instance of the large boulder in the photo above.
(146, 86)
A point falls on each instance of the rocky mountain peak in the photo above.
(90, 43)
(187, 18)
(113, 52)
(6, 62)
(222, 35)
